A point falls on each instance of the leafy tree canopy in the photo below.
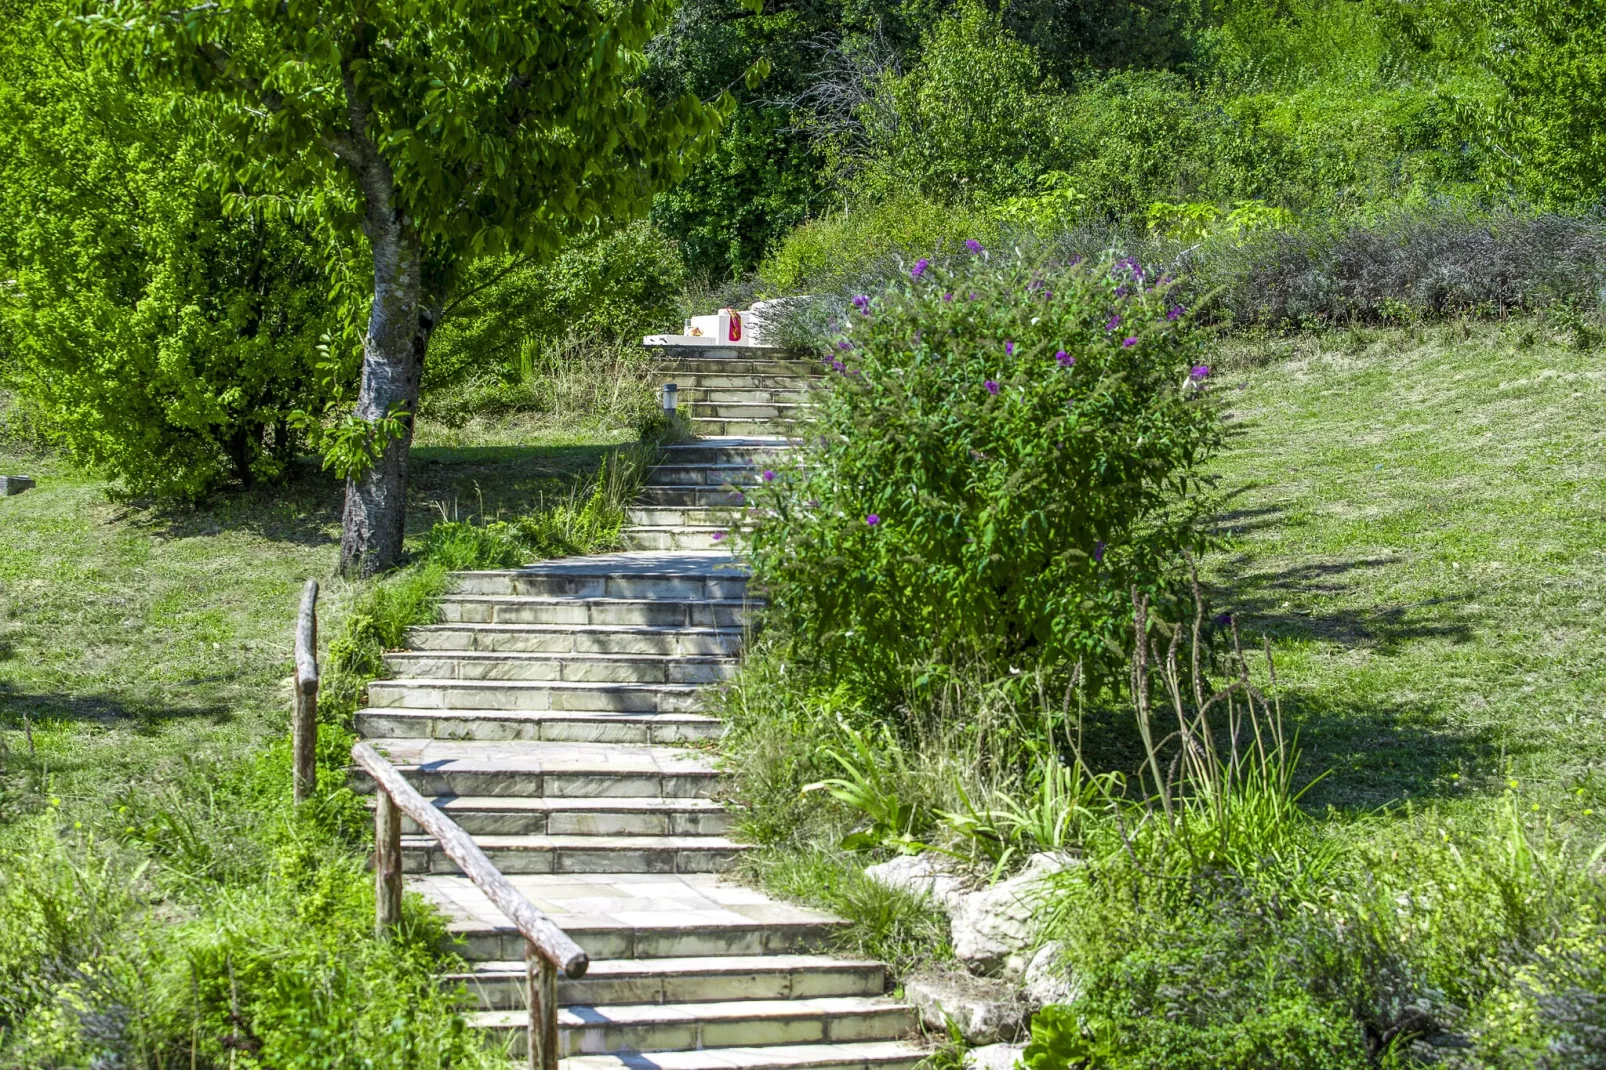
(445, 129)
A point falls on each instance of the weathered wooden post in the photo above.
(541, 991)
(304, 722)
(387, 864)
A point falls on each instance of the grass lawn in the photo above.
(1418, 520)
(132, 637)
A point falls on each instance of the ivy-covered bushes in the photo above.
(1007, 450)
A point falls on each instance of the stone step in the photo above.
(424, 693)
(670, 576)
(704, 426)
(652, 612)
(699, 496)
(667, 641)
(735, 449)
(705, 537)
(544, 853)
(568, 668)
(664, 1027)
(782, 392)
(632, 916)
(503, 726)
(873, 1055)
(500, 985)
(674, 368)
(724, 477)
(490, 815)
(664, 516)
(528, 768)
(731, 410)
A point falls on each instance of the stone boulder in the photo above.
(995, 929)
(994, 1057)
(923, 874)
(984, 1010)
(1048, 979)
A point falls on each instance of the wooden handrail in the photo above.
(304, 721)
(547, 948)
(553, 944)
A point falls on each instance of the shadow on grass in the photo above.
(305, 508)
(1371, 755)
(100, 709)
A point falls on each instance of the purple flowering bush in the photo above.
(1025, 465)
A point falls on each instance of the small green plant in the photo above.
(873, 770)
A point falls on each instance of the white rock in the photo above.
(1047, 980)
(995, 928)
(984, 1010)
(994, 1057)
(924, 874)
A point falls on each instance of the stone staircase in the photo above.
(554, 715)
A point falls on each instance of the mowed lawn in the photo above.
(134, 637)
(1418, 520)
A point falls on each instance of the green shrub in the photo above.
(1006, 451)
(867, 242)
(154, 335)
(615, 286)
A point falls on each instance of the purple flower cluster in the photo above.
(862, 303)
(1129, 342)
(920, 268)
(1009, 349)
(1174, 313)
(872, 520)
(1114, 322)
(1064, 359)
(1199, 373)
(973, 245)
(991, 385)
(769, 475)
(947, 297)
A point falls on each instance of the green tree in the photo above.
(439, 129)
(153, 336)
(1551, 55)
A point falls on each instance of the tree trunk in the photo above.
(399, 326)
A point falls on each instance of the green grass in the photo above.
(146, 829)
(1418, 520)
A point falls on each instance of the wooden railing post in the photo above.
(304, 721)
(387, 864)
(541, 991)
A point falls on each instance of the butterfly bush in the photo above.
(989, 478)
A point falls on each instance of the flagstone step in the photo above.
(500, 985)
(702, 537)
(636, 576)
(434, 694)
(717, 425)
(783, 392)
(547, 726)
(693, 516)
(568, 668)
(655, 1027)
(613, 853)
(732, 450)
(739, 410)
(547, 769)
(491, 815)
(721, 476)
(654, 612)
(695, 496)
(874, 1055)
(609, 639)
(638, 916)
(703, 365)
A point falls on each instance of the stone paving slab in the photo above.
(540, 757)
